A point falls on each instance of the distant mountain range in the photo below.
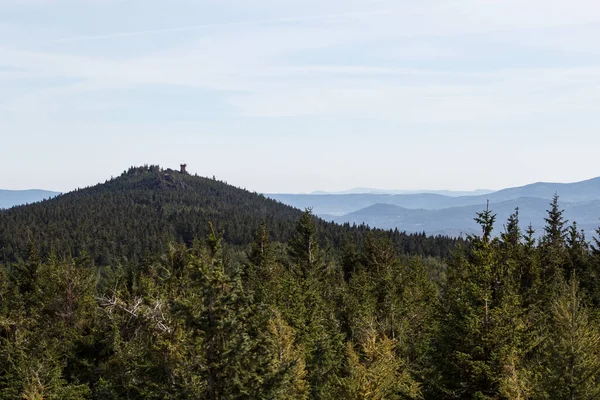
(452, 193)
(11, 198)
(435, 213)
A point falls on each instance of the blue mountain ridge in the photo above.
(11, 198)
(453, 215)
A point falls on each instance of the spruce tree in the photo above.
(512, 233)
(263, 273)
(480, 328)
(591, 282)
(578, 251)
(288, 377)
(230, 347)
(303, 246)
(572, 358)
(312, 314)
(375, 372)
(555, 224)
(553, 253)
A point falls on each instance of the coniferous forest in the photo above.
(161, 285)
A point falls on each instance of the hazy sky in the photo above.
(301, 95)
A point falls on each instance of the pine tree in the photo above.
(591, 280)
(531, 274)
(288, 378)
(139, 328)
(555, 225)
(263, 272)
(231, 352)
(512, 234)
(49, 321)
(480, 327)
(578, 254)
(312, 313)
(515, 382)
(382, 263)
(573, 350)
(303, 246)
(360, 304)
(553, 253)
(375, 372)
(486, 220)
(351, 262)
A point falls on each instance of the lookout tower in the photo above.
(183, 167)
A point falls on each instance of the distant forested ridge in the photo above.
(145, 208)
(11, 198)
(435, 213)
(305, 311)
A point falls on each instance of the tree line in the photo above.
(508, 317)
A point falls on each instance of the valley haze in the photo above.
(452, 213)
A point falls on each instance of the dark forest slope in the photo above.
(136, 213)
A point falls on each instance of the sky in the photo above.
(301, 95)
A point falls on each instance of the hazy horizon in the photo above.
(315, 191)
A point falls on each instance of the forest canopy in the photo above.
(126, 305)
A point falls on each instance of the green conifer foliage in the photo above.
(375, 371)
(288, 378)
(230, 347)
(591, 279)
(312, 314)
(555, 225)
(572, 362)
(554, 258)
(318, 313)
(303, 246)
(480, 325)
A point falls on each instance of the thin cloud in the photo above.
(275, 67)
(325, 17)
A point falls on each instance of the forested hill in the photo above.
(144, 208)
(507, 317)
